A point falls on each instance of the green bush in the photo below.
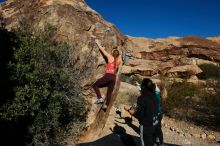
(45, 88)
(212, 98)
(177, 93)
(210, 71)
(199, 103)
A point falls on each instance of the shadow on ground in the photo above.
(119, 137)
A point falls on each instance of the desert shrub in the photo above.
(124, 78)
(212, 97)
(210, 71)
(177, 94)
(199, 103)
(164, 83)
(130, 79)
(128, 98)
(45, 93)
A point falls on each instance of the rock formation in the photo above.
(172, 57)
(76, 24)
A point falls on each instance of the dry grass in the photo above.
(197, 103)
(127, 98)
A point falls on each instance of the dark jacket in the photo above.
(146, 109)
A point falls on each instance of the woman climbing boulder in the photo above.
(113, 61)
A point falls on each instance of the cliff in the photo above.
(172, 57)
(78, 25)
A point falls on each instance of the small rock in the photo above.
(188, 135)
(172, 129)
(187, 142)
(178, 131)
(162, 122)
(211, 137)
(187, 97)
(203, 136)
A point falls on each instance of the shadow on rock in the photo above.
(119, 137)
(128, 121)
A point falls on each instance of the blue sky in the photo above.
(161, 18)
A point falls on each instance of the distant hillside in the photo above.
(172, 56)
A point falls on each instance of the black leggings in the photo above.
(158, 130)
(146, 135)
(108, 80)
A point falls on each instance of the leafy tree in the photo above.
(46, 90)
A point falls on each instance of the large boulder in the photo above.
(76, 24)
(184, 71)
(146, 67)
(170, 56)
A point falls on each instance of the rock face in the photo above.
(77, 24)
(172, 57)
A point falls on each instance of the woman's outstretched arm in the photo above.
(109, 56)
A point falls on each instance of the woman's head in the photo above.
(120, 45)
(148, 85)
(115, 53)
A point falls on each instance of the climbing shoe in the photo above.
(99, 101)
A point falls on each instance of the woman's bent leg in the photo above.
(111, 86)
(100, 83)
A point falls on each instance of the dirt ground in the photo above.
(122, 130)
